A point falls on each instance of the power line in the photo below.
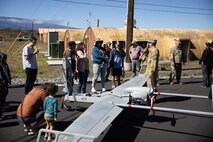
(37, 8)
(169, 11)
(145, 9)
(87, 3)
(58, 12)
(160, 5)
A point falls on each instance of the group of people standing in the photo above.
(76, 53)
(105, 60)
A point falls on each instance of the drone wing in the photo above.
(94, 120)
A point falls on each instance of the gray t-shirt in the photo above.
(29, 63)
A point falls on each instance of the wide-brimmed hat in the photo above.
(98, 40)
(78, 42)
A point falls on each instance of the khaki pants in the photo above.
(176, 70)
(151, 80)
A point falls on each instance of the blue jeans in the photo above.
(81, 82)
(96, 70)
(33, 118)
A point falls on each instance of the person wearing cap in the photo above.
(176, 62)
(70, 54)
(152, 67)
(116, 62)
(135, 52)
(206, 62)
(99, 65)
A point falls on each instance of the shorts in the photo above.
(48, 117)
(33, 118)
(116, 71)
(49, 120)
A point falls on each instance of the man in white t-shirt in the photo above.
(30, 63)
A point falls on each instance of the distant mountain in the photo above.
(27, 24)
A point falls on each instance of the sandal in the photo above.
(45, 138)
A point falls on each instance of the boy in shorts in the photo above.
(51, 111)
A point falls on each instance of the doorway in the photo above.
(185, 47)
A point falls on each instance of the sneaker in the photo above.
(171, 83)
(93, 90)
(26, 129)
(113, 86)
(103, 89)
(31, 133)
(180, 83)
(203, 86)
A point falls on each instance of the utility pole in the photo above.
(90, 22)
(98, 23)
(129, 32)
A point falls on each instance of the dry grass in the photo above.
(15, 60)
(46, 71)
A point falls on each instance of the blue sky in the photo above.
(185, 14)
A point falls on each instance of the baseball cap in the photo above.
(177, 41)
(152, 41)
(71, 44)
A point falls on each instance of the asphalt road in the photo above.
(132, 125)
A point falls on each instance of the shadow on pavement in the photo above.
(172, 99)
(124, 127)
